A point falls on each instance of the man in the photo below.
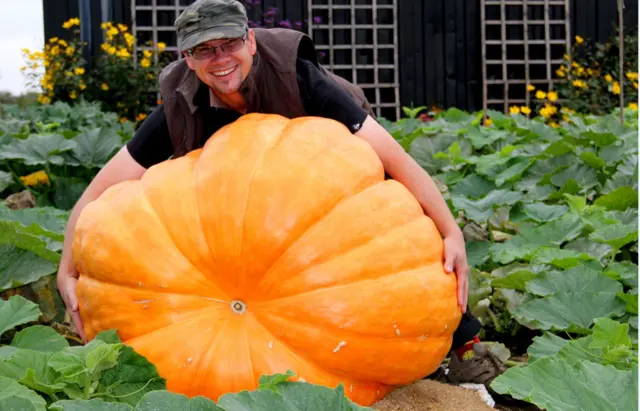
(230, 70)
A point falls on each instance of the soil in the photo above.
(429, 395)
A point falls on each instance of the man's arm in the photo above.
(151, 144)
(324, 98)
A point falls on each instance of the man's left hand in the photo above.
(455, 258)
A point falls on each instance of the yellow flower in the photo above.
(122, 27)
(73, 95)
(530, 87)
(147, 53)
(145, 63)
(548, 110)
(525, 110)
(79, 71)
(541, 94)
(62, 43)
(579, 83)
(53, 40)
(635, 85)
(561, 72)
(514, 109)
(553, 96)
(35, 178)
(633, 106)
(104, 86)
(70, 23)
(106, 25)
(42, 99)
(82, 86)
(68, 73)
(124, 53)
(608, 78)
(565, 117)
(488, 122)
(632, 76)
(70, 50)
(615, 88)
(141, 117)
(112, 32)
(161, 46)
(567, 110)
(579, 40)
(554, 124)
(123, 119)
(23, 68)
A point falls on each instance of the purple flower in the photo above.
(285, 23)
(298, 24)
(317, 20)
(271, 12)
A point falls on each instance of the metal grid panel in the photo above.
(358, 40)
(523, 42)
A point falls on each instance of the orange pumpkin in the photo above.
(279, 245)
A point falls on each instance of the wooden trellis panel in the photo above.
(523, 42)
(358, 40)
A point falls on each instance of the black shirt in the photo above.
(320, 95)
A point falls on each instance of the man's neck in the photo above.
(231, 101)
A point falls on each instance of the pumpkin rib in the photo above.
(192, 159)
(301, 319)
(337, 375)
(360, 187)
(354, 249)
(283, 254)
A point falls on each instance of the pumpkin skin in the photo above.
(278, 245)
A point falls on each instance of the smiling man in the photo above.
(230, 70)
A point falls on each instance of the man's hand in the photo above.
(67, 283)
(455, 258)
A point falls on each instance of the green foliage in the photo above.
(550, 217)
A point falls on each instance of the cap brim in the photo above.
(214, 33)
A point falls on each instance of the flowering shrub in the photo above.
(591, 81)
(121, 83)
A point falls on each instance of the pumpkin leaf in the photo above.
(93, 405)
(131, 378)
(481, 210)
(13, 394)
(38, 149)
(93, 148)
(573, 312)
(554, 384)
(15, 403)
(16, 311)
(40, 338)
(19, 267)
(6, 179)
(163, 400)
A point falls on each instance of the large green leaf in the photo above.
(15, 311)
(482, 209)
(20, 267)
(93, 148)
(96, 405)
(6, 179)
(621, 199)
(556, 385)
(569, 311)
(40, 338)
(38, 149)
(10, 389)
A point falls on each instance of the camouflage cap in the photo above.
(206, 20)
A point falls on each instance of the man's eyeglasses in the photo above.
(205, 53)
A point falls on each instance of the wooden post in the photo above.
(621, 53)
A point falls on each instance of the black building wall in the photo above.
(439, 40)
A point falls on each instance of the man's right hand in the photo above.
(67, 283)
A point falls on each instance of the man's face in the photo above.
(223, 64)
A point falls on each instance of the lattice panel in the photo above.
(358, 40)
(153, 20)
(523, 42)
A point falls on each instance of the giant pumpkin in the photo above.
(278, 245)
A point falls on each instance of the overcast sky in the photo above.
(21, 25)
